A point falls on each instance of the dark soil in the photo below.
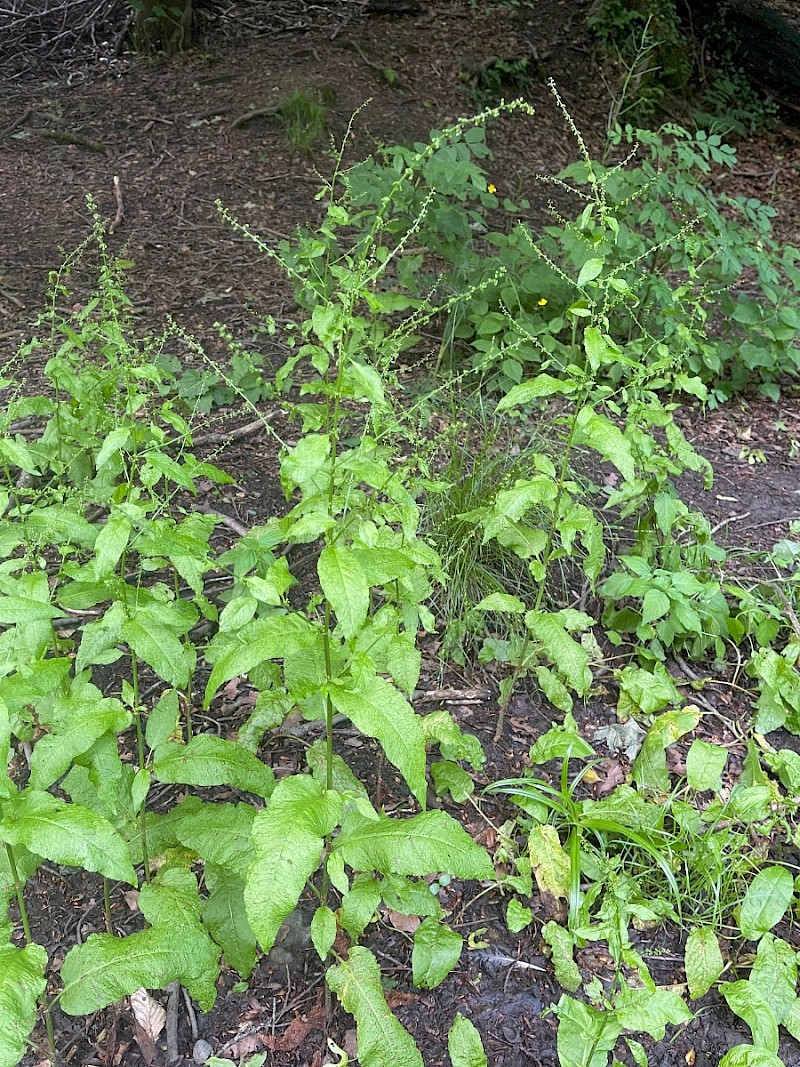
(167, 129)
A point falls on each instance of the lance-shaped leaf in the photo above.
(105, 969)
(425, 844)
(774, 973)
(345, 585)
(220, 833)
(272, 638)
(211, 760)
(599, 432)
(157, 642)
(570, 658)
(382, 1041)
(550, 863)
(750, 1004)
(703, 960)
(378, 710)
(766, 901)
(225, 917)
(288, 840)
(75, 734)
(22, 981)
(65, 833)
(464, 1044)
(437, 949)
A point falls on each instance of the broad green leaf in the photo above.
(549, 861)
(22, 981)
(159, 647)
(288, 839)
(162, 721)
(220, 833)
(567, 656)
(655, 605)
(650, 766)
(382, 1041)
(746, 1001)
(111, 542)
(517, 916)
(323, 931)
(767, 900)
(105, 969)
(379, 710)
(501, 602)
(403, 661)
(464, 1044)
(424, 844)
(750, 1056)
(561, 947)
(554, 689)
(211, 760)
(588, 272)
(54, 753)
(21, 609)
(651, 1010)
(65, 833)
(439, 727)
(346, 587)
(586, 1035)
(541, 385)
(646, 691)
(437, 949)
(792, 1019)
(561, 741)
(705, 764)
(599, 433)
(226, 920)
(774, 974)
(359, 903)
(409, 896)
(448, 777)
(274, 637)
(176, 946)
(703, 961)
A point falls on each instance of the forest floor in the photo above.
(169, 131)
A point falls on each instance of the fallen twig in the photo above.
(120, 209)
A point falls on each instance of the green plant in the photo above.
(491, 81)
(731, 106)
(304, 118)
(646, 48)
(140, 575)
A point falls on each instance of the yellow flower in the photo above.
(492, 187)
(541, 302)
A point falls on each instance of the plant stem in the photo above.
(26, 928)
(23, 911)
(137, 718)
(107, 905)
